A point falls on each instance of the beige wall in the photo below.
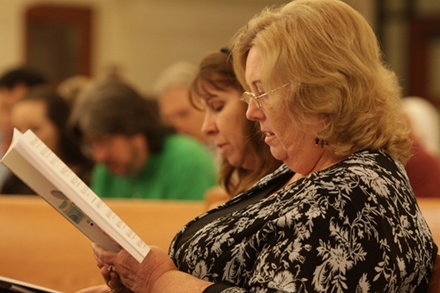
(142, 37)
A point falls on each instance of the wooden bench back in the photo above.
(39, 246)
(431, 211)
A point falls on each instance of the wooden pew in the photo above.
(431, 211)
(39, 246)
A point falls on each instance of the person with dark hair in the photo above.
(46, 113)
(14, 84)
(138, 156)
(245, 157)
(27, 76)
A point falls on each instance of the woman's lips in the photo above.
(268, 136)
(222, 147)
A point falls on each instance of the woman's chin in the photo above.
(234, 162)
(278, 153)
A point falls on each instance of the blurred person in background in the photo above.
(424, 119)
(14, 84)
(172, 92)
(46, 113)
(423, 168)
(71, 88)
(137, 155)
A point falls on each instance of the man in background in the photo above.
(137, 156)
(172, 92)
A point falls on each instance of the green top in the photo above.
(182, 170)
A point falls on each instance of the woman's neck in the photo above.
(326, 161)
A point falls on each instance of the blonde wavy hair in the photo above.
(329, 56)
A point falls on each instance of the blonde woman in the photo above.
(339, 215)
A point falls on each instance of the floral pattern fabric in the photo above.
(354, 227)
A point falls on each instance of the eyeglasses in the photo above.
(246, 97)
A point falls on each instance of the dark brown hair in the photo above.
(113, 107)
(216, 71)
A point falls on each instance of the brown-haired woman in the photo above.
(244, 155)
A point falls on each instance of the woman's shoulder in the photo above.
(366, 176)
(367, 163)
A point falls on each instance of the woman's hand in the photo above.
(122, 273)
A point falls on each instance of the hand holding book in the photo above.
(36, 165)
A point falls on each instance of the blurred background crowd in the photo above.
(83, 74)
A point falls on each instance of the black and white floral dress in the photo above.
(354, 227)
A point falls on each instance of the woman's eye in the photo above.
(216, 107)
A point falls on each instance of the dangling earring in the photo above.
(320, 142)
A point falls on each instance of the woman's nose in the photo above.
(208, 125)
(254, 112)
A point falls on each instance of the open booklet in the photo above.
(38, 166)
